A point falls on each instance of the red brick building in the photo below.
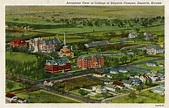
(17, 43)
(54, 66)
(95, 61)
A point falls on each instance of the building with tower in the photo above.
(66, 51)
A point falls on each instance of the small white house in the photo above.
(10, 97)
(99, 89)
(132, 35)
(21, 100)
(114, 71)
(111, 88)
(153, 64)
(48, 83)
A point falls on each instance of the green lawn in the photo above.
(145, 97)
(46, 97)
(157, 68)
(15, 86)
(21, 57)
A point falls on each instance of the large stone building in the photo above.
(44, 46)
(55, 66)
(87, 62)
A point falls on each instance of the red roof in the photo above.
(18, 41)
(118, 83)
(10, 95)
(98, 73)
(145, 76)
(21, 99)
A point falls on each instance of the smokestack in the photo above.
(64, 40)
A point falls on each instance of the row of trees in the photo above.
(80, 22)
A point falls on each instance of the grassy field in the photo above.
(46, 97)
(145, 97)
(15, 86)
(82, 11)
(21, 57)
(154, 69)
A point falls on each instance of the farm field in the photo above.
(42, 96)
(83, 11)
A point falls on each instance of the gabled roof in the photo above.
(98, 73)
(52, 41)
(118, 83)
(10, 95)
(135, 80)
(89, 57)
(157, 47)
(57, 62)
(21, 99)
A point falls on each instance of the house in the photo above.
(118, 84)
(21, 100)
(132, 35)
(147, 35)
(85, 89)
(17, 43)
(155, 78)
(112, 88)
(44, 46)
(159, 90)
(123, 70)
(153, 64)
(88, 62)
(154, 50)
(114, 71)
(127, 83)
(9, 97)
(145, 78)
(98, 74)
(96, 43)
(66, 51)
(48, 83)
(55, 66)
(108, 75)
(137, 75)
(98, 89)
(135, 81)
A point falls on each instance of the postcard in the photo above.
(79, 53)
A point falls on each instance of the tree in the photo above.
(82, 92)
(10, 85)
(133, 96)
(139, 88)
